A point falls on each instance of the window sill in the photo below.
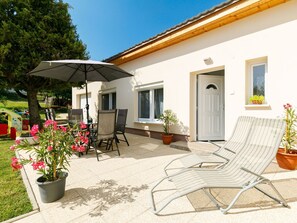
(148, 122)
(258, 107)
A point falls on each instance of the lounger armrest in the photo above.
(220, 156)
(214, 144)
(251, 172)
(229, 150)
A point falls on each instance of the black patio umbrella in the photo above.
(79, 71)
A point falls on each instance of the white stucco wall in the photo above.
(93, 88)
(271, 34)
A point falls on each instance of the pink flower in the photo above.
(287, 106)
(38, 165)
(49, 148)
(17, 142)
(51, 122)
(34, 130)
(15, 164)
(56, 145)
(63, 128)
(74, 147)
(83, 125)
(80, 148)
(48, 123)
(55, 126)
(85, 140)
(12, 147)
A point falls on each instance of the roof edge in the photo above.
(216, 17)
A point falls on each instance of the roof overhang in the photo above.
(205, 22)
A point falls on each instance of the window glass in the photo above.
(105, 102)
(109, 101)
(114, 101)
(150, 104)
(144, 104)
(158, 102)
(212, 86)
(259, 79)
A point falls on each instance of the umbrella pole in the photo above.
(87, 101)
(87, 107)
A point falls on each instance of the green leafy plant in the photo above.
(55, 146)
(257, 99)
(290, 137)
(168, 118)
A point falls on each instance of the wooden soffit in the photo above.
(213, 20)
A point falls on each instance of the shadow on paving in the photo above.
(102, 196)
(250, 199)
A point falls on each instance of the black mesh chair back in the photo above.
(121, 125)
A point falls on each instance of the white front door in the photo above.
(210, 107)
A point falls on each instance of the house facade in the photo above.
(205, 70)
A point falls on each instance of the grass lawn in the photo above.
(14, 200)
(18, 105)
(11, 105)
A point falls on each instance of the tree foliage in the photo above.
(32, 31)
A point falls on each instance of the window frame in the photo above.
(249, 74)
(110, 100)
(151, 90)
(251, 93)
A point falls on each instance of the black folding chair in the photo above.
(121, 125)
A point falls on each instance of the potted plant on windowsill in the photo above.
(287, 156)
(257, 99)
(168, 118)
(51, 155)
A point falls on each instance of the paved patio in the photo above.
(116, 190)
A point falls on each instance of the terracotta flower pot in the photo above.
(167, 139)
(259, 102)
(286, 160)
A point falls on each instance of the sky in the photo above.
(108, 27)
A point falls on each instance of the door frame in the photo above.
(217, 72)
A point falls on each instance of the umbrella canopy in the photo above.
(79, 71)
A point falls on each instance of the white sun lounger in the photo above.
(242, 172)
(223, 154)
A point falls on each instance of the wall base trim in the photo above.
(155, 134)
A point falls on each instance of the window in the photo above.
(150, 104)
(108, 101)
(256, 81)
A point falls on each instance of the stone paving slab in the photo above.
(116, 190)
